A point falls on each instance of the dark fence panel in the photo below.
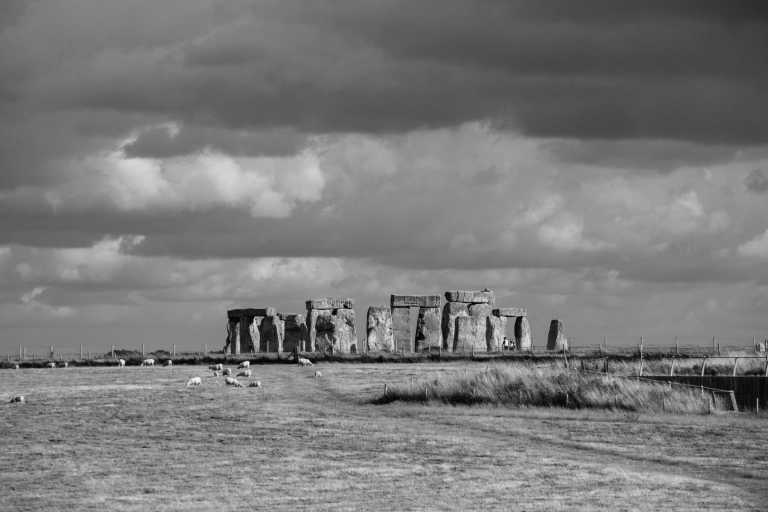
(749, 390)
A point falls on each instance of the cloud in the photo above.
(756, 181)
(756, 247)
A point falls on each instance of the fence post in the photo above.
(142, 350)
(81, 351)
(173, 352)
(21, 355)
(53, 353)
(713, 344)
(677, 347)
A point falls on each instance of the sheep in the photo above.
(227, 371)
(244, 364)
(318, 373)
(194, 381)
(51, 365)
(148, 362)
(244, 373)
(216, 367)
(18, 399)
(121, 363)
(216, 374)
(15, 367)
(231, 381)
(66, 364)
(303, 361)
(169, 363)
(255, 384)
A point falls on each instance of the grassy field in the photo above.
(137, 439)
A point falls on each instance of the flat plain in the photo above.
(106, 438)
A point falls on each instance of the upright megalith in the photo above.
(523, 339)
(295, 335)
(404, 339)
(452, 311)
(470, 334)
(496, 328)
(556, 339)
(331, 325)
(401, 329)
(244, 329)
(428, 333)
(379, 329)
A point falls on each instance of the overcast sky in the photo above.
(162, 161)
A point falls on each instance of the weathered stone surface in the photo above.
(321, 330)
(510, 312)
(419, 301)
(451, 311)
(336, 332)
(233, 336)
(295, 337)
(494, 334)
(330, 303)
(254, 332)
(471, 296)
(251, 312)
(379, 329)
(271, 334)
(480, 310)
(429, 335)
(470, 334)
(401, 329)
(523, 339)
(556, 340)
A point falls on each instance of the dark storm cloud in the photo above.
(756, 181)
(589, 69)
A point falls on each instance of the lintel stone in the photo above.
(470, 296)
(510, 312)
(330, 303)
(420, 301)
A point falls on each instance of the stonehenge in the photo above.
(331, 325)
(556, 339)
(460, 320)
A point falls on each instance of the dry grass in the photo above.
(522, 386)
(136, 439)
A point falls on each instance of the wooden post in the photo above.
(53, 353)
(113, 352)
(757, 405)
(21, 354)
(677, 347)
(142, 350)
(173, 351)
(754, 343)
(713, 344)
(718, 349)
(81, 351)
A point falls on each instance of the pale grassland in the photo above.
(520, 385)
(136, 439)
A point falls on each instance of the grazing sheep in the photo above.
(318, 373)
(194, 381)
(148, 362)
(216, 374)
(227, 371)
(169, 363)
(244, 364)
(244, 373)
(66, 364)
(18, 399)
(216, 367)
(121, 363)
(255, 384)
(231, 381)
(303, 361)
(15, 367)
(51, 365)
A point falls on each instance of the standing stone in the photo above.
(470, 334)
(451, 311)
(344, 320)
(295, 333)
(480, 310)
(325, 331)
(523, 339)
(401, 329)
(495, 329)
(379, 329)
(312, 316)
(428, 333)
(556, 339)
(254, 331)
(233, 328)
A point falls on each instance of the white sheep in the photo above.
(244, 364)
(18, 399)
(318, 373)
(194, 381)
(66, 364)
(303, 361)
(216, 374)
(15, 367)
(121, 363)
(168, 363)
(51, 365)
(255, 384)
(216, 367)
(227, 371)
(244, 373)
(231, 381)
(148, 362)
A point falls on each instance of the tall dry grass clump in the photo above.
(550, 387)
